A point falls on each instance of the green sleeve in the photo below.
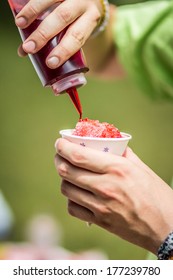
(143, 35)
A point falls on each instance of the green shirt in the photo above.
(143, 35)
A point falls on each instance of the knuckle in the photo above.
(33, 9)
(63, 170)
(96, 14)
(102, 210)
(43, 34)
(65, 15)
(119, 170)
(105, 188)
(107, 192)
(63, 52)
(79, 37)
(77, 157)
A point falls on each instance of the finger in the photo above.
(31, 11)
(21, 51)
(78, 195)
(75, 37)
(79, 177)
(86, 215)
(87, 158)
(80, 212)
(54, 23)
(97, 185)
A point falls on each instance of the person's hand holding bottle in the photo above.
(80, 17)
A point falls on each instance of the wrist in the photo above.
(103, 20)
(158, 239)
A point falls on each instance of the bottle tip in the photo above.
(72, 81)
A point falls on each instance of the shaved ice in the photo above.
(94, 128)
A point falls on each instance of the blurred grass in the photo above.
(30, 119)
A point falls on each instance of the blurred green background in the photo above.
(30, 120)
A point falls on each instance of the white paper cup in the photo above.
(115, 146)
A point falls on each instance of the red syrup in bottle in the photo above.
(65, 78)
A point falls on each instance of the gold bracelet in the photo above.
(104, 19)
(104, 12)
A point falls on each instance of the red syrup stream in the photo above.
(72, 92)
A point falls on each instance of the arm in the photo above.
(119, 194)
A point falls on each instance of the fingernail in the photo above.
(29, 46)
(53, 62)
(21, 21)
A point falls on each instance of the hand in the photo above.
(81, 17)
(120, 194)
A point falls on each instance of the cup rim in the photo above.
(67, 132)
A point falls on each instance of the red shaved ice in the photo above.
(94, 128)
